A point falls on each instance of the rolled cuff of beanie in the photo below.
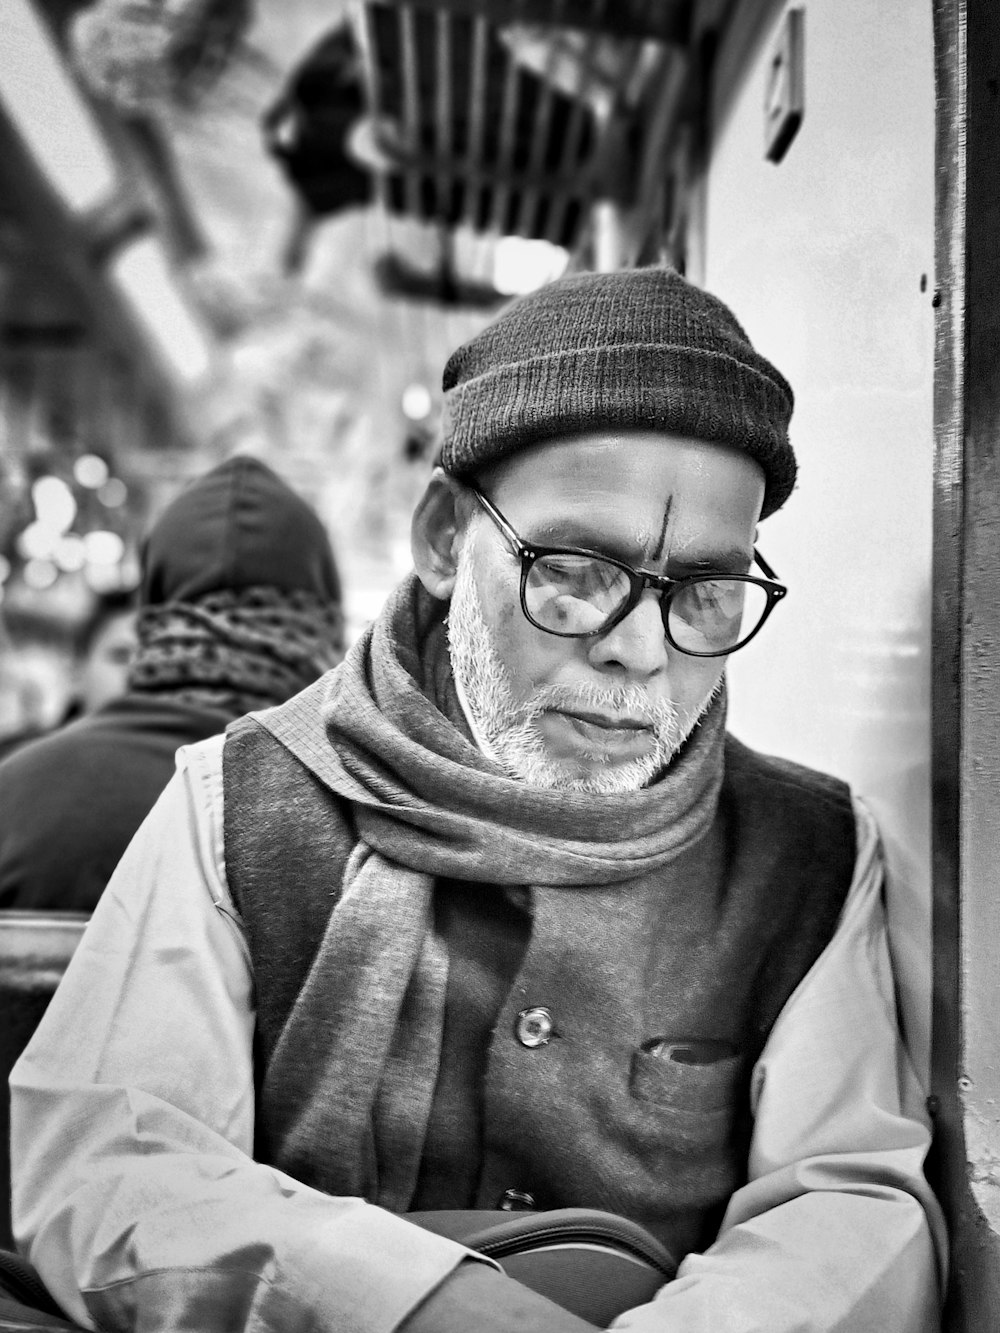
(679, 390)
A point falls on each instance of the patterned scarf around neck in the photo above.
(385, 732)
(236, 650)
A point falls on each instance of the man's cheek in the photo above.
(507, 620)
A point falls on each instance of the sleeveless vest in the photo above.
(639, 1101)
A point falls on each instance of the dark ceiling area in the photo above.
(510, 119)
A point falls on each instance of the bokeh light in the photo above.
(37, 541)
(521, 265)
(71, 553)
(54, 503)
(40, 574)
(91, 471)
(103, 548)
(417, 402)
(113, 493)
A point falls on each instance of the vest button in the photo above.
(515, 1201)
(533, 1027)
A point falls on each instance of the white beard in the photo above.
(511, 731)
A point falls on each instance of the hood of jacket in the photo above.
(238, 526)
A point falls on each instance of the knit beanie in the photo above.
(634, 349)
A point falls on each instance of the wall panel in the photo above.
(827, 257)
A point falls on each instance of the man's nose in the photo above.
(637, 645)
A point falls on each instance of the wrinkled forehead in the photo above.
(649, 490)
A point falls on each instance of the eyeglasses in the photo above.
(576, 594)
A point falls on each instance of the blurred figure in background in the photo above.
(239, 609)
(102, 649)
(17, 724)
(105, 646)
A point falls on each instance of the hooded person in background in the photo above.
(496, 915)
(239, 608)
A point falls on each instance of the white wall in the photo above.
(821, 257)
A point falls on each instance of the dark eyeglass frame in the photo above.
(639, 581)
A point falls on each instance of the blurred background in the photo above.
(260, 226)
(229, 226)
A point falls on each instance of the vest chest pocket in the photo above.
(691, 1090)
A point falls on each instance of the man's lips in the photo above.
(603, 722)
(599, 727)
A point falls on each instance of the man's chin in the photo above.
(602, 779)
(608, 779)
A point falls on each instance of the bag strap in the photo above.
(496, 1234)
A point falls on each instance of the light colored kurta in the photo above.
(133, 1117)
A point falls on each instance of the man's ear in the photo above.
(436, 533)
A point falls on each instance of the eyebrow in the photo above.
(577, 533)
(733, 560)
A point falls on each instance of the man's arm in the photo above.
(836, 1229)
(477, 1299)
(135, 1191)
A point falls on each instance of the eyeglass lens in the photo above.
(576, 594)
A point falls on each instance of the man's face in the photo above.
(604, 713)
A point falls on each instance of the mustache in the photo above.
(618, 701)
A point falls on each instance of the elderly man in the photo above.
(496, 914)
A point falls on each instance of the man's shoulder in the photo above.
(290, 738)
(176, 721)
(272, 757)
(47, 752)
(116, 730)
(746, 765)
(70, 803)
(301, 714)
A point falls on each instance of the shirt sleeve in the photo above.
(836, 1228)
(135, 1190)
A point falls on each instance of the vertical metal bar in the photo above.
(528, 218)
(505, 148)
(477, 118)
(411, 102)
(443, 114)
(363, 26)
(965, 750)
(570, 168)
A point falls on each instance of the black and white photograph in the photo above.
(499, 666)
